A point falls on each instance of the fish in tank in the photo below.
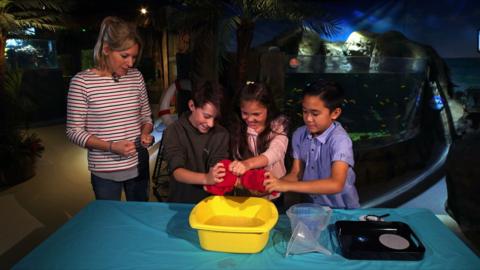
(382, 98)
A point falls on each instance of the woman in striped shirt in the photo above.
(108, 113)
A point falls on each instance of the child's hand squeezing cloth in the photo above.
(251, 180)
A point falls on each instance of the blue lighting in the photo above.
(12, 42)
(358, 13)
(478, 41)
(437, 102)
(30, 31)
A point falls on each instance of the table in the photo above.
(150, 235)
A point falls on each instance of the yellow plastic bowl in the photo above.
(233, 224)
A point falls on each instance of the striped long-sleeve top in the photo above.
(110, 110)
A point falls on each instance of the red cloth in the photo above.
(226, 185)
(251, 180)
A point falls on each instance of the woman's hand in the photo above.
(273, 184)
(238, 168)
(146, 140)
(124, 148)
(215, 174)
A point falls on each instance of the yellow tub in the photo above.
(233, 224)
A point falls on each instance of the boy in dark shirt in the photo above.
(194, 145)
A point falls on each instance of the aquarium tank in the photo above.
(383, 95)
(30, 54)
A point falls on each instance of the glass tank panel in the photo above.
(383, 95)
(31, 53)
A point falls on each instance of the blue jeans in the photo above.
(136, 189)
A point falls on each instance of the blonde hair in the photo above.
(119, 35)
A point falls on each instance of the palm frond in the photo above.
(298, 12)
(41, 14)
(325, 25)
(302, 13)
(40, 25)
(27, 13)
(13, 82)
(52, 5)
(4, 4)
(43, 18)
(6, 21)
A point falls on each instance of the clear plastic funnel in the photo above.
(314, 216)
(302, 241)
(307, 220)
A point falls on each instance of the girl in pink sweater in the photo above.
(259, 139)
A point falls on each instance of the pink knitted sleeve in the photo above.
(278, 145)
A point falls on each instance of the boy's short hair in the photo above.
(330, 92)
(208, 92)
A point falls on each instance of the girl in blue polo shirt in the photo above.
(322, 152)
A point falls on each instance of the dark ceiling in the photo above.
(89, 14)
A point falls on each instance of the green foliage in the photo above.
(18, 103)
(87, 59)
(16, 15)
(18, 147)
(362, 136)
(16, 143)
(293, 107)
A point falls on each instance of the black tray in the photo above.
(378, 240)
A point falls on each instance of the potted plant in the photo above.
(19, 148)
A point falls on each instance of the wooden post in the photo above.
(166, 82)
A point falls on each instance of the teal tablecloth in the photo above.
(128, 235)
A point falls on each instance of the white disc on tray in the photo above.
(394, 241)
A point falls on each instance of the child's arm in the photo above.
(214, 175)
(333, 184)
(296, 172)
(238, 167)
(275, 152)
(273, 184)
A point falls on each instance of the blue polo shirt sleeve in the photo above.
(342, 149)
(297, 143)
